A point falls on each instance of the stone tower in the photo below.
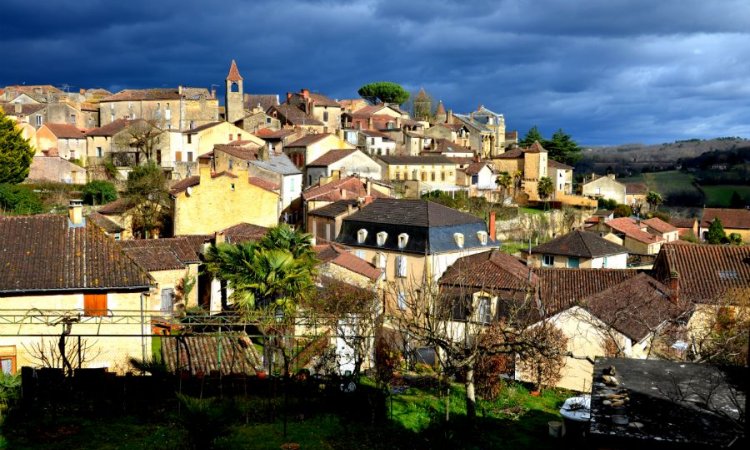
(234, 102)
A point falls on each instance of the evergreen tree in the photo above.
(736, 201)
(385, 91)
(15, 152)
(532, 136)
(716, 234)
(562, 148)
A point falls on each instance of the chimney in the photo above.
(349, 209)
(75, 212)
(179, 89)
(343, 193)
(492, 227)
(450, 116)
(674, 285)
(368, 187)
(305, 93)
(288, 97)
(213, 92)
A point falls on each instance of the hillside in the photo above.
(631, 159)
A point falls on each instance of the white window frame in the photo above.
(401, 266)
(401, 300)
(381, 238)
(459, 238)
(403, 239)
(482, 236)
(361, 236)
(548, 260)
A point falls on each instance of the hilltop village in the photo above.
(429, 240)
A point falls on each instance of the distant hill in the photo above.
(630, 159)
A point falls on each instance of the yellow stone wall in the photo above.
(111, 352)
(223, 201)
(443, 173)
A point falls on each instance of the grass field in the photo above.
(720, 196)
(416, 419)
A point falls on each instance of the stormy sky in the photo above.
(606, 71)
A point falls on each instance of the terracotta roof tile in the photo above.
(635, 188)
(243, 232)
(228, 353)
(635, 307)
(706, 272)
(44, 253)
(345, 188)
(110, 129)
(558, 165)
(234, 73)
(490, 271)
(338, 255)
(161, 254)
(104, 223)
(307, 140)
(66, 131)
(335, 209)
(730, 218)
(263, 184)
(116, 207)
(630, 228)
(559, 289)
(331, 157)
(264, 100)
(185, 183)
(294, 115)
(659, 225)
(420, 160)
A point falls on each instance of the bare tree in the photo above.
(142, 137)
(464, 324)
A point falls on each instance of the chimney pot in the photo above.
(75, 212)
(492, 226)
(674, 285)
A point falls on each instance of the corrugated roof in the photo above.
(227, 353)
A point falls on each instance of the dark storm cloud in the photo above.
(605, 71)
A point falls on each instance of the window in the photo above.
(268, 120)
(325, 116)
(73, 119)
(99, 152)
(190, 156)
(231, 186)
(361, 236)
(483, 311)
(8, 359)
(403, 239)
(95, 304)
(401, 266)
(178, 156)
(230, 163)
(190, 138)
(605, 262)
(442, 176)
(359, 254)
(548, 260)
(167, 301)
(482, 236)
(401, 299)
(381, 238)
(381, 260)
(573, 263)
(372, 141)
(459, 238)
(158, 156)
(432, 175)
(38, 120)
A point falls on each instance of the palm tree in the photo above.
(654, 200)
(285, 237)
(504, 182)
(545, 188)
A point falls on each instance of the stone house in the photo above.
(341, 164)
(108, 294)
(606, 187)
(171, 263)
(412, 241)
(291, 117)
(56, 169)
(63, 140)
(211, 201)
(324, 223)
(635, 235)
(272, 166)
(532, 164)
(579, 249)
(180, 108)
(311, 147)
(375, 143)
(432, 171)
(337, 262)
(561, 175)
(318, 107)
(349, 188)
(733, 221)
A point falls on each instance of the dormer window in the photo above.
(381, 260)
(459, 238)
(403, 239)
(361, 236)
(482, 236)
(382, 236)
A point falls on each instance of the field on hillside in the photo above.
(720, 196)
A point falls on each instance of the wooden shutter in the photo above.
(95, 304)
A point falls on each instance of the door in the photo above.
(167, 301)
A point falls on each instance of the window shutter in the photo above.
(401, 266)
(95, 304)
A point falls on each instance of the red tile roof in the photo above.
(631, 229)
(66, 131)
(492, 270)
(730, 218)
(243, 232)
(44, 253)
(331, 157)
(267, 133)
(560, 289)
(635, 307)
(707, 273)
(183, 184)
(338, 255)
(234, 73)
(308, 140)
(635, 188)
(263, 184)
(558, 165)
(104, 223)
(345, 188)
(110, 129)
(116, 207)
(659, 225)
(475, 167)
(161, 254)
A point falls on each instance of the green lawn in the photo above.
(416, 419)
(720, 196)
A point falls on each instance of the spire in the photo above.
(440, 109)
(234, 73)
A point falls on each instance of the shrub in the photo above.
(735, 238)
(623, 211)
(99, 192)
(608, 204)
(19, 199)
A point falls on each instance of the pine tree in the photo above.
(15, 152)
(716, 234)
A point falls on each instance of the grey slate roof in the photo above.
(431, 227)
(335, 209)
(582, 244)
(280, 164)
